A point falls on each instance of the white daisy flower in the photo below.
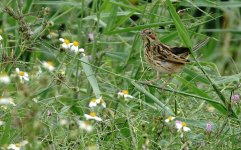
(6, 101)
(4, 78)
(48, 65)
(65, 43)
(98, 100)
(93, 103)
(125, 94)
(17, 146)
(93, 116)
(85, 125)
(170, 118)
(2, 122)
(103, 104)
(63, 122)
(81, 50)
(74, 46)
(182, 126)
(52, 35)
(22, 75)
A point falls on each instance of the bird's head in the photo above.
(148, 35)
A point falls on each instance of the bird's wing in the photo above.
(179, 50)
(166, 54)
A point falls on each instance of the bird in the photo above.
(163, 58)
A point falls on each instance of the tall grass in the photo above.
(49, 110)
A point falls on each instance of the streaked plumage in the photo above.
(163, 58)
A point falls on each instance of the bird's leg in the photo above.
(168, 80)
(158, 77)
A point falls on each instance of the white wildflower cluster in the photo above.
(48, 65)
(125, 94)
(179, 125)
(23, 76)
(86, 125)
(5, 101)
(95, 102)
(74, 46)
(17, 146)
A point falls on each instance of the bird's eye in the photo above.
(149, 32)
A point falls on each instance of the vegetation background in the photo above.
(50, 106)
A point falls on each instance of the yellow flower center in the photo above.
(93, 101)
(125, 92)
(21, 73)
(92, 114)
(170, 118)
(184, 124)
(18, 145)
(87, 123)
(75, 43)
(3, 74)
(50, 63)
(102, 101)
(66, 41)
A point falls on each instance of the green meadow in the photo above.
(73, 75)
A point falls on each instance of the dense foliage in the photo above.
(72, 75)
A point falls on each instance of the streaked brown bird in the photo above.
(163, 58)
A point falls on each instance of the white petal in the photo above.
(74, 48)
(7, 101)
(172, 118)
(103, 104)
(87, 116)
(2, 123)
(81, 50)
(23, 143)
(91, 117)
(178, 126)
(181, 135)
(64, 46)
(83, 125)
(127, 96)
(98, 100)
(5, 79)
(186, 129)
(89, 128)
(92, 104)
(97, 118)
(61, 39)
(120, 94)
(13, 147)
(25, 74)
(63, 122)
(26, 78)
(17, 70)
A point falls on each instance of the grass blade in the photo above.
(90, 76)
(180, 27)
(156, 100)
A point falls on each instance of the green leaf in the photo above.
(227, 79)
(6, 131)
(195, 76)
(156, 100)
(179, 25)
(90, 76)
